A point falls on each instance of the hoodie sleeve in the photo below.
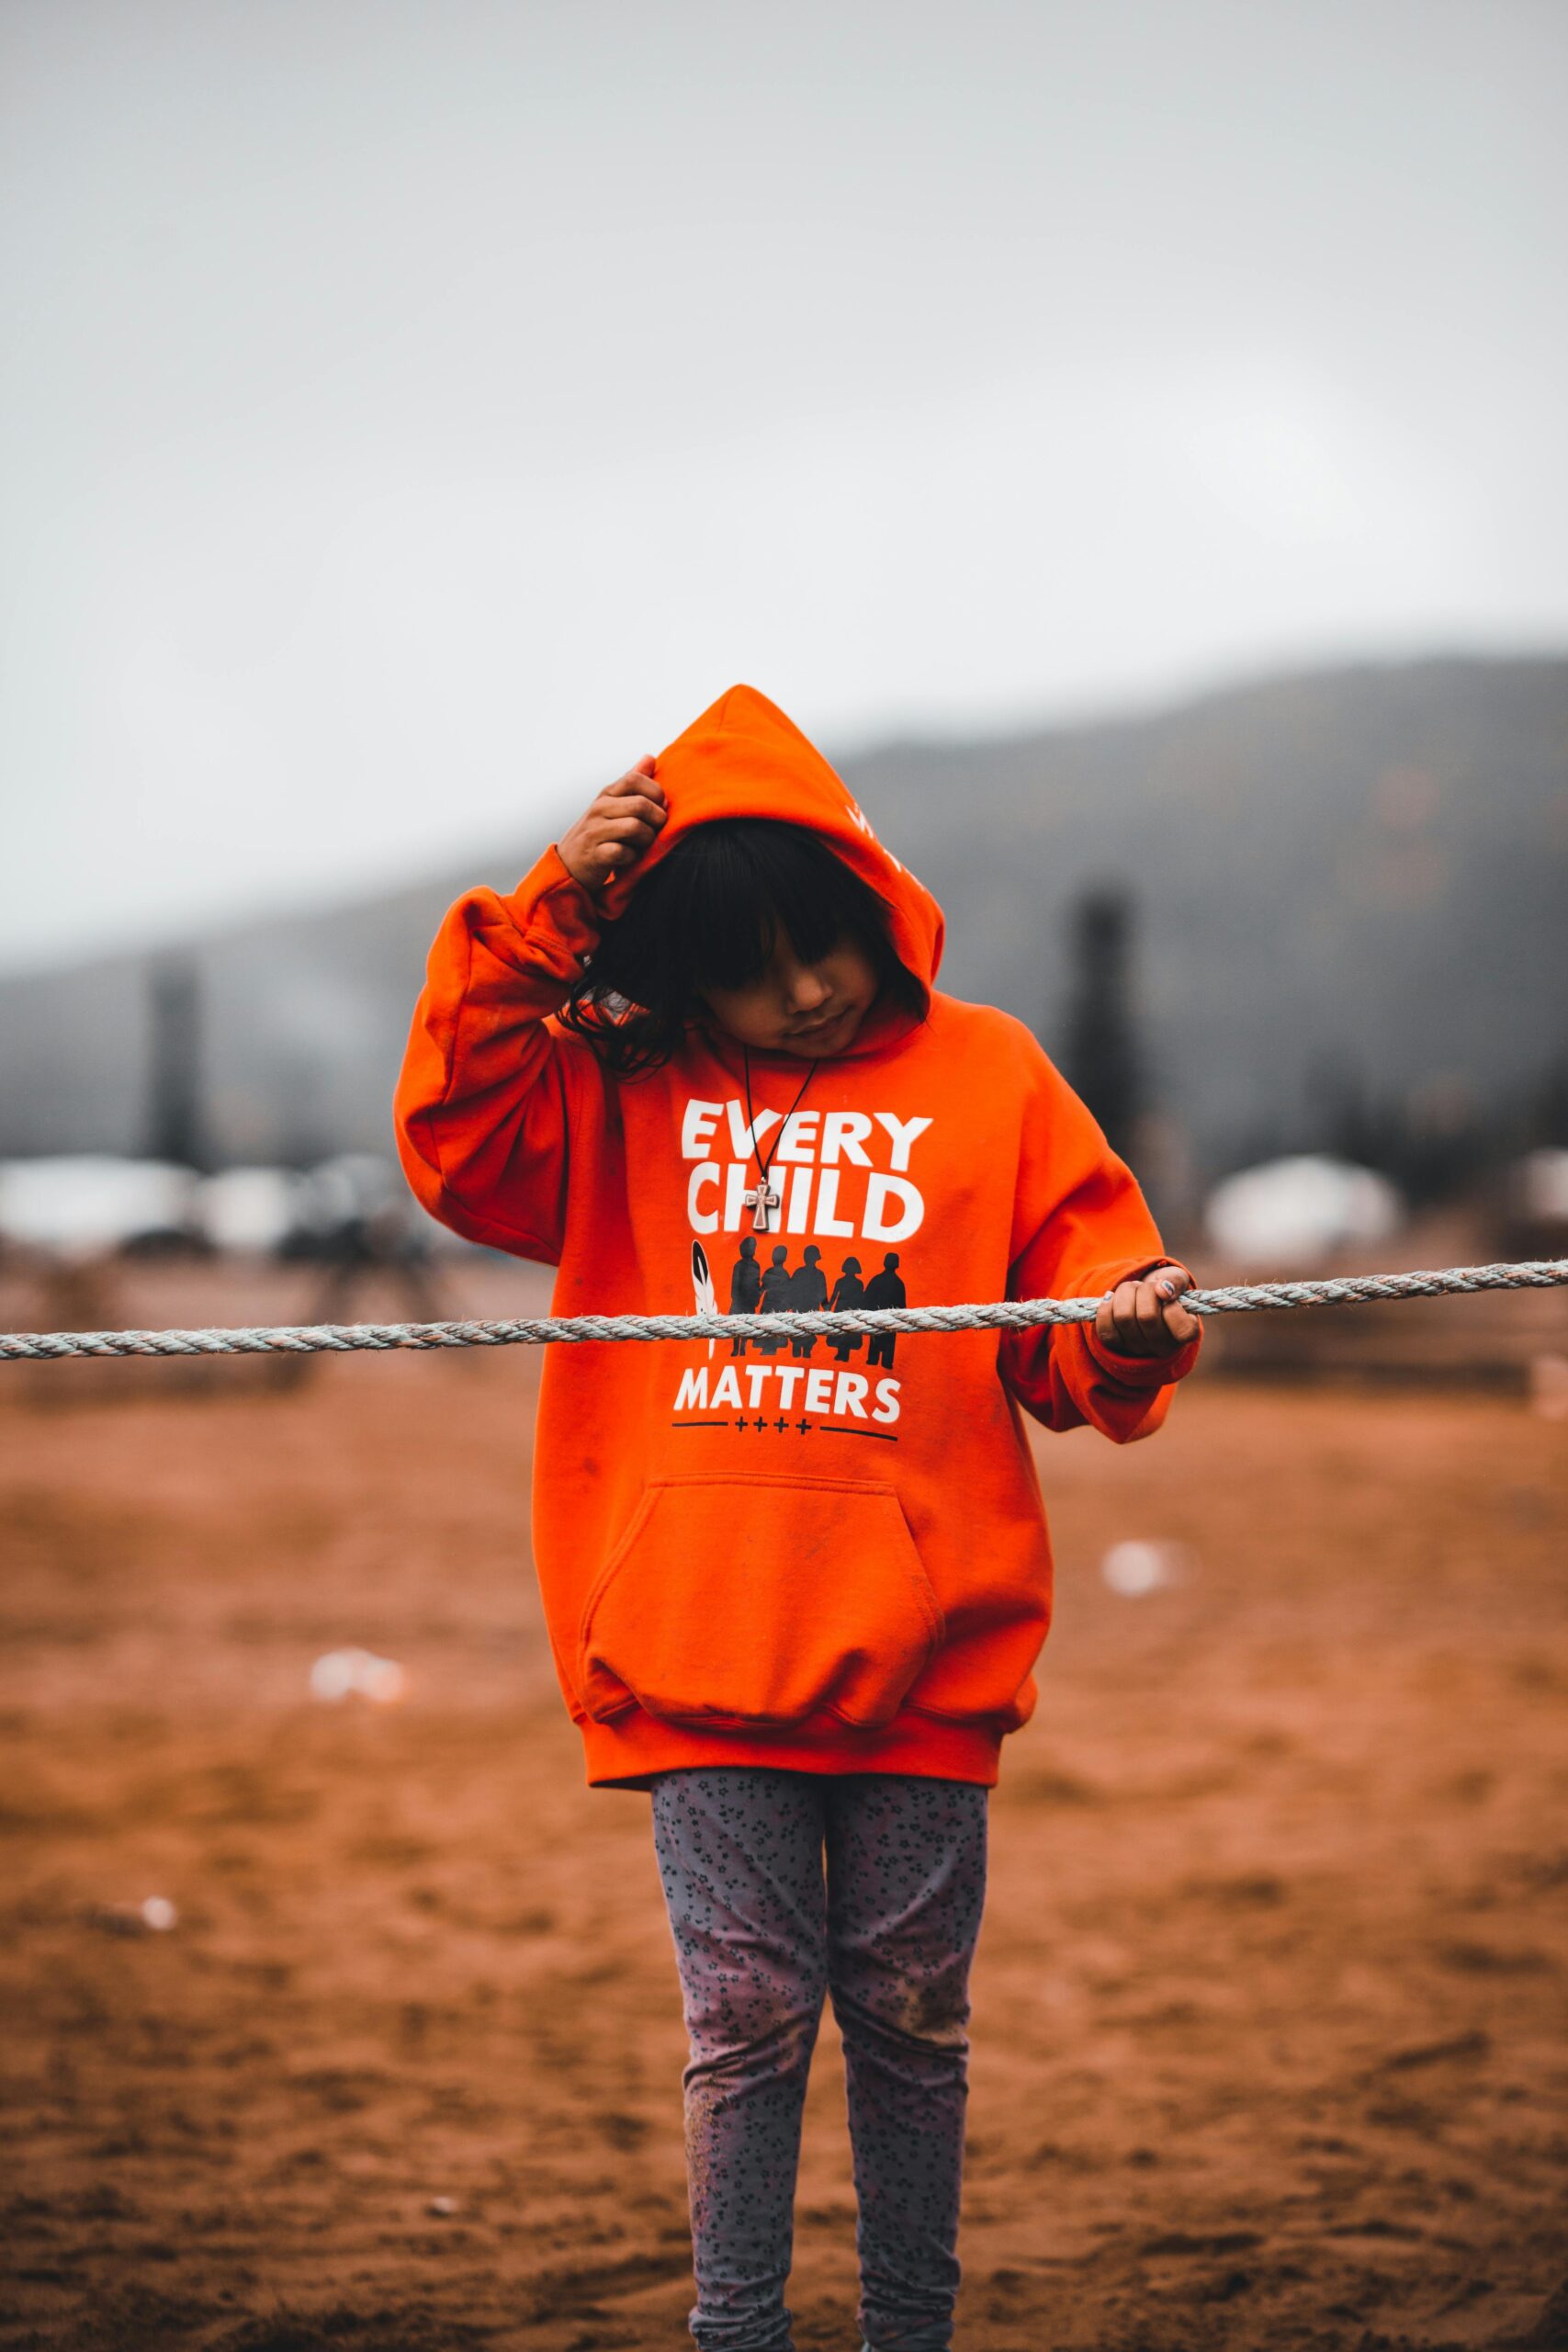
(485, 1102)
(1081, 1226)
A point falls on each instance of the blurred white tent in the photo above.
(275, 1209)
(84, 1203)
(254, 1208)
(359, 1184)
(1285, 1211)
(364, 1190)
(1540, 1181)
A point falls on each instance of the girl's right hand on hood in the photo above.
(616, 827)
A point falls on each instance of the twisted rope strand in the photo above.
(1012, 1315)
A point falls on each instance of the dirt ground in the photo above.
(1269, 2012)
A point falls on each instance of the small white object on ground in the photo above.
(1136, 1567)
(154, 1916)
(338, 1674)
(442, 2207)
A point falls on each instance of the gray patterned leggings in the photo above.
(760, 1935)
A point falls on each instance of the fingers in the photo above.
(1143, 1317)
(629, 814)
(646, 810)
(618, 827)
(1148, 1308)
(617, 850)
(1135, 1310)
(1116, 1321)
(620, 841)
(1179, 1321)
(640, 782)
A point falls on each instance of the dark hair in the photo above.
(709, 915)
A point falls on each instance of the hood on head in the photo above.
(744, 758)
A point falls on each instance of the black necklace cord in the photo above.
(763, 1165)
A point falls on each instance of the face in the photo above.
(810, 1010)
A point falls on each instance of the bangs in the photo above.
(732, 894)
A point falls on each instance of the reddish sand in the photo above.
(1271, 2006)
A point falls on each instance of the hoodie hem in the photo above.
(630, 1751)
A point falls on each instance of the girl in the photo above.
(709, 1012)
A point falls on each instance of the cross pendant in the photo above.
(760, 1200)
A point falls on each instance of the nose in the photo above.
(805, 991)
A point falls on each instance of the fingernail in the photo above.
(1168, 1289)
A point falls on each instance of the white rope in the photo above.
(320, 1339)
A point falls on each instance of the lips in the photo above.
(820, 1028)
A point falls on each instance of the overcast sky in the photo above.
(411, 413)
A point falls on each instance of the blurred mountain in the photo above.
(1346, 885)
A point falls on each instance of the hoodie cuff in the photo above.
(549, 900)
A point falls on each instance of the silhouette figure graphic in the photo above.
(847, 1291)
(775, 1296)
(807, 1294)
(745, 1286)
(884, 1289)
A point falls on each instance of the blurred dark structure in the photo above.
(1433, 1140)
(176, 1129)
(1101, 1056)
(367, 1238)
(365, 1251)
(1546, 1108)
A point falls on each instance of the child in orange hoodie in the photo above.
(709, 1013)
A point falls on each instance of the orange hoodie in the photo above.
(826, 1556)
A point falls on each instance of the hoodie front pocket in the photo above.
(759, 1601)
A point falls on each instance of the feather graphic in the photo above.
(702, 1283)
